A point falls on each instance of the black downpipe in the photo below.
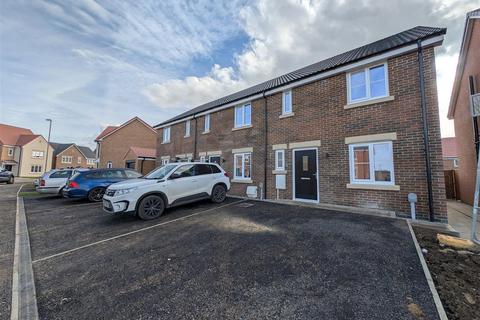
(425, 130)
(195, 139)
(265, 160)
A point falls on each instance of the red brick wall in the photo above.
(319, 114)
(464, 123)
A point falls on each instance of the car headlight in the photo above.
(121, 192)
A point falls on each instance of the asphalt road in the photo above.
(248, 260)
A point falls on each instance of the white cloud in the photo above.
(288, 34)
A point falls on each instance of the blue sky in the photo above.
(87, 64)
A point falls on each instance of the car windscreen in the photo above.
(161, 172)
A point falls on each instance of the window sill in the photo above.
(373, 187)
(165, 142)
(186, 136)
(206, 132)
(241, 128)
(241, 181)
(286, 115)
(279, 171)
(368, 102)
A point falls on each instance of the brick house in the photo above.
(23, 152)
(114, 142)
(70, 155)
(466, 89)
(346, 131)
(141, 159)
(449, 153)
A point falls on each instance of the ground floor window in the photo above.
(242, 166)
(109, 164)
(67, 159)
(371, 163)
(280, 160)
(165, 161)
(36, 168)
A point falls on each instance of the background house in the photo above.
(115, 142)
(465, 91)
(140, 159)
(450, 166)
(70, 155)
(24, 153)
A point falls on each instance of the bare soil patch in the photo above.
(456, 274)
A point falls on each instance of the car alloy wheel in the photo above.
(96, 194)
(219, 194)
(151, 207)
(11, 180)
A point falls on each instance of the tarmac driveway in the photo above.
(240, 260)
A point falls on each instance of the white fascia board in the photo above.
(381, 57)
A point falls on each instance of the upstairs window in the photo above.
(166, 135)
(371, 163)
(207, 124)
(368, 83)
(243, 115)
(187, 128)
(287, 102)
(67, 159)
(37, 154)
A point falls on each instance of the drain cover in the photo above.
(245, 205)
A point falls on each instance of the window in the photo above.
(67, 159)
(202, 159)
(243, 116)
(242, 166)
(280, 160)
(215, 169)
(455, 163)
(214, 159)
(166, 135)
(185, 171)
(79, 160)
(369, 83)
(207, 124)
(109, 164)
(132, 174)
(65, 174)
(165, 161)
(91, 161)
(371, 163)
(10, 152)
(202, 169)
(114, 174)
(36, 168)
(287, 102)
(187, 128)
(37, 154)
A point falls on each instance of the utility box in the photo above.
(280, 181)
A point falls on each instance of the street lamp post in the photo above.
(48, 142)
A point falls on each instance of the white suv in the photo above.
(167, 186)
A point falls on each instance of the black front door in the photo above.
(306, 174)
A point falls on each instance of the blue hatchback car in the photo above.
(93, 183)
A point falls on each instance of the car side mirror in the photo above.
(175, 175)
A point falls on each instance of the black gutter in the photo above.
(425, 129)
(195, 139)
(265, 161)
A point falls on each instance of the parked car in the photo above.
(93, 183)
(55, 180)
(167, 186)
(6, 176)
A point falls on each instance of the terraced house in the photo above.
(360, 129)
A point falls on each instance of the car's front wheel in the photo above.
(11, 180)
(219, 193)
(96, 194)
(151, 207)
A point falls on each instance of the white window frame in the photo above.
(109, 165)
(10, 152)
(202, 159)
(277, 155)
(284, 104)
(206, 123)
(165, 161)
(187, 129)
(90, 161)
(37, 154)
(67, 159)
(368, 96)
(455, 163)
(244, 123)
(79, 160)
(371, 164)
(36, 168)
(166, 135)
(242, 177)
